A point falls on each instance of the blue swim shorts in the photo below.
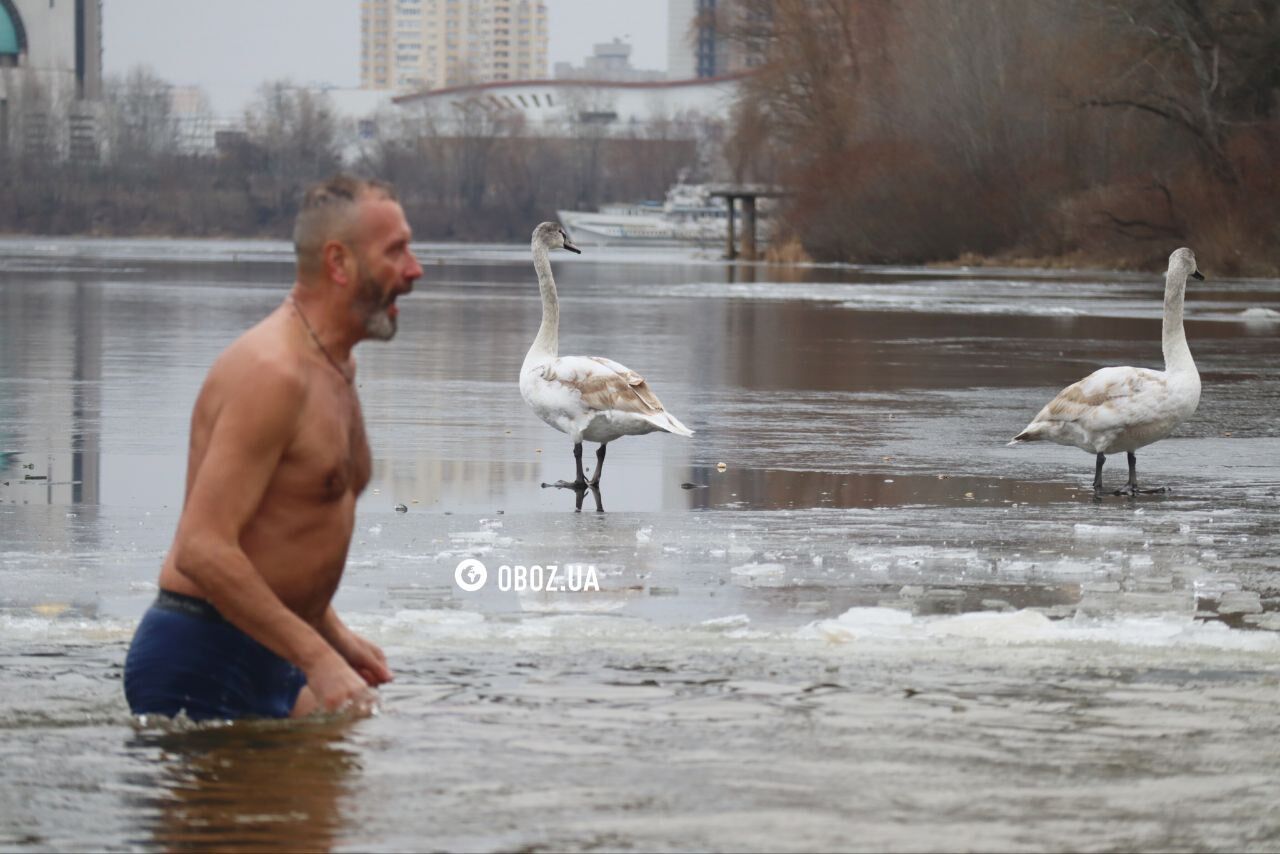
(186, 657)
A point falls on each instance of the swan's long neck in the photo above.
(547, 344)
(1177, 355)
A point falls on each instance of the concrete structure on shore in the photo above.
(50, 75)
(555, 107)
(57, 42)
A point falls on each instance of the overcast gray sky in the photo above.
(231, 46)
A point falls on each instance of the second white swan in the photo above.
(1123, 409)
(591, 398)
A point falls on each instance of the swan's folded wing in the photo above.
(604, 384)
(1108, 398)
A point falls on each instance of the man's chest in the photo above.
(330, 455)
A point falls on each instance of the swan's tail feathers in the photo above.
(668, 422)
(1031, 434)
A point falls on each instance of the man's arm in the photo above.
(249, 436)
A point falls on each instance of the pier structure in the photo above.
(749, 193)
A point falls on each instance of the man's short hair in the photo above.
(328, 213)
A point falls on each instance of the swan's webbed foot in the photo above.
(1131, 488)
(580, 482)
(580, 493)
(579, 485)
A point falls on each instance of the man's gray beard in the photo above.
(378, 324)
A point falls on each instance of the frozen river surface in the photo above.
(873, 628)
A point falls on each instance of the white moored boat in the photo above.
(689, 215)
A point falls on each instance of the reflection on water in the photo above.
(781, 382)
(60, 369)
(245, 787)
(771, 489)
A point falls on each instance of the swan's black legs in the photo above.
(1097, 474)
(1131, 488)
(581, 485)
(581, 482)
(595, 479)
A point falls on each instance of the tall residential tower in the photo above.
(697, 46)
(410, 45)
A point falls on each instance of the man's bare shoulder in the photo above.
(261, 368)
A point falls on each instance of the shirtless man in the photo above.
(243, 625)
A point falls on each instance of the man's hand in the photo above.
(364, 656)
(336, 687)
(366, 659)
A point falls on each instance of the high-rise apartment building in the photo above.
(692, 46)
(697, 46)
(409, 45)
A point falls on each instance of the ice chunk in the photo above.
(1087, 531)
(1240, 602)
(755, 570)
(734, 621)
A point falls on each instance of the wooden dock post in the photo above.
(749, 228)
(749, 193)
(731, 248)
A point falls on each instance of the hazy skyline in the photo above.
(191, 43)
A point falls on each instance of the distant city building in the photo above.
(690, 44)
(196, 127)
(697, 46)
(52, 48)
(609, 61)
(411, 45)
(199, 131)
(59, 41)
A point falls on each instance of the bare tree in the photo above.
(296, 128)
(294, 131)
(140, 124)
(1202, 67)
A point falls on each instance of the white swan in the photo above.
(589, 397)
(1123, 409)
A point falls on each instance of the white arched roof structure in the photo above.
(549, 106)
